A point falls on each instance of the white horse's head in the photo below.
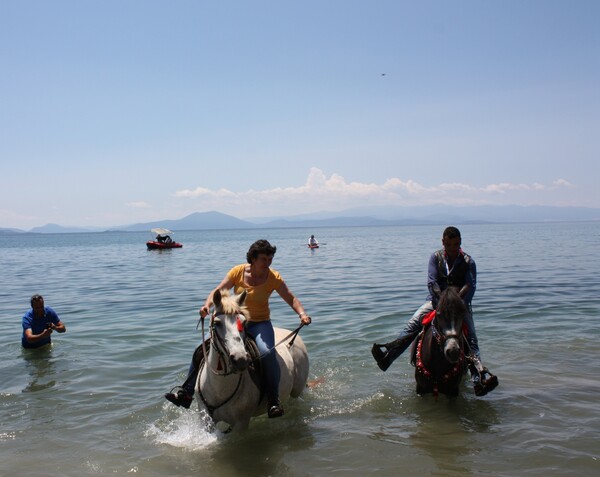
(227, 330)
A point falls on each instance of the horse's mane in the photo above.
(451, 299)
(230, 305)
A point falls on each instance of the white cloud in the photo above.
(507, 187)
(320, 192)
(562, 183)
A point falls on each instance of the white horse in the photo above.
(225, 385)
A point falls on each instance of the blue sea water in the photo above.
(92, 404)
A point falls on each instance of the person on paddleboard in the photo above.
(448, 267)
(259, 281)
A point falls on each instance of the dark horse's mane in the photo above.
(450, 300)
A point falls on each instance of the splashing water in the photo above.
(188, 430)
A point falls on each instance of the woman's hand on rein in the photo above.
(305, 319)
(205, 310)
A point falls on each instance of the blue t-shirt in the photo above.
(38, 325)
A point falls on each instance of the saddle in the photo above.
(426, 322)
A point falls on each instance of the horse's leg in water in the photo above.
(421, 389)
(453, 389)
(242, 424)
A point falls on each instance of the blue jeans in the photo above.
(415, 325)
(264, 336)
(190, 382)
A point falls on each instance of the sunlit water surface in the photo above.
(92, 404)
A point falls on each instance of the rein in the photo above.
(290, 344)
(292, 335)
(210, 408)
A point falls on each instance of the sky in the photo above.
(116, 112)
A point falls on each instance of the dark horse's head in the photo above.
(449, 316)
(439, 358)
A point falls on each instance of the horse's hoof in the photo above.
(181, 398)
(380, 357)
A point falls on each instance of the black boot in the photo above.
(274, 407)
(385, 354)
(483, 380)
(180, 398)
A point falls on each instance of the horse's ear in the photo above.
(242, 297)
(217, 298)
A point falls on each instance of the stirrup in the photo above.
(180, 398)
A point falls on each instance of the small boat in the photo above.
(162, 241)
(154, 245)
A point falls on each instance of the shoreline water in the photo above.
(92, 405)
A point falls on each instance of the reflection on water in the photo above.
(41, 368)
(447, 431)
(276, 440)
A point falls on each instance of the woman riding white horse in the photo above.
(259, 281)
(228, 387)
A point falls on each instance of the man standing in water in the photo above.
(39, 323)
(448, 267)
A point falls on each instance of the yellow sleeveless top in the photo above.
(257, 300)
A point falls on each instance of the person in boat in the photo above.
(312, 241)
(259, 280)
(449, 266)
(167, 239)
(39, 323)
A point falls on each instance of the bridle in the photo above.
(219, 346)
(216, 342)
(439, 336)
(440, 339)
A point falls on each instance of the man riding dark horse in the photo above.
(448, 267)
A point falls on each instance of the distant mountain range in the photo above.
(364, 216)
